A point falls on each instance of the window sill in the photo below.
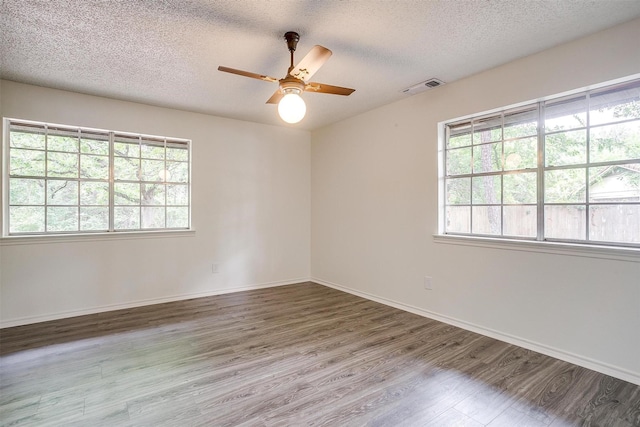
(92, 237)
(567, 249)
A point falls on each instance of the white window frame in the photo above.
(111, 230)
(617, 250)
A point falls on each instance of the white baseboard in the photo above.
(111, 307)
(595, 365)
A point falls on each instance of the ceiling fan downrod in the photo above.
(292, 39)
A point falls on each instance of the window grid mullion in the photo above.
(445, 168)
(140, 182)
(502, 174)
(111, 181)
(6, 183)
(471, 182)
(594, 164)
(587, 221)
(79, 132)
(46, 177)
(471, 207)
(164, 181)
(540, 176)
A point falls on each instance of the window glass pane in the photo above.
(565, 222)
(458, 191)
(94, 167)
(26, 219)
(615, 142)
(177, 151)
(152, 194)
(520, 221)
(26, 191)
(126, 193)
(617, 183)
(460, 141)
(565, 114)
(66, 143)
(614, 223)
(165, 175)
(177, 195)
(487, 129)
(126, 146)
(487, 190)
(61, 192)
(487, 158)
(520, 188)
(458, 219)
(459, 161)
(34, 140)
(63, 165)
(152, 217)
(177, 217)
(126, 169)
(520, 153)
(178, 172)
(459, 135)
(94, 218)
(486, 220)
(565, 148)
(153, 170)
(126, 217)
(62, 218)
(94, 193)
(26, 162)
(90, 144)
(152, 149)
(518, 124)
(565, 186)
(620, 103)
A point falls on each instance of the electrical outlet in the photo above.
(214, 268)
(427, 283)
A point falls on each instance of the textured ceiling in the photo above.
(166, 52)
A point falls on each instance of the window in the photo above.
(566, 169)
(64, 179)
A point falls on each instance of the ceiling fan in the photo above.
(291, 107)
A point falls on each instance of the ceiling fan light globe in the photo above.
(292, 108)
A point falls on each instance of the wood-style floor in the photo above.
(290, 356)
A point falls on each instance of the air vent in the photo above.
(421, 87)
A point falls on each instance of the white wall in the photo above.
(375, 208)
(250, 210)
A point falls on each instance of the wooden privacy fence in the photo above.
(607, 223)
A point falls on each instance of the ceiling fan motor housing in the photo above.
(292, 40)
(291, 83)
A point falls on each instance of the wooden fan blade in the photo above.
(276, 97)
(323, 88)
(247, 74)
(311, 63)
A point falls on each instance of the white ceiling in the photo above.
(166, 52)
